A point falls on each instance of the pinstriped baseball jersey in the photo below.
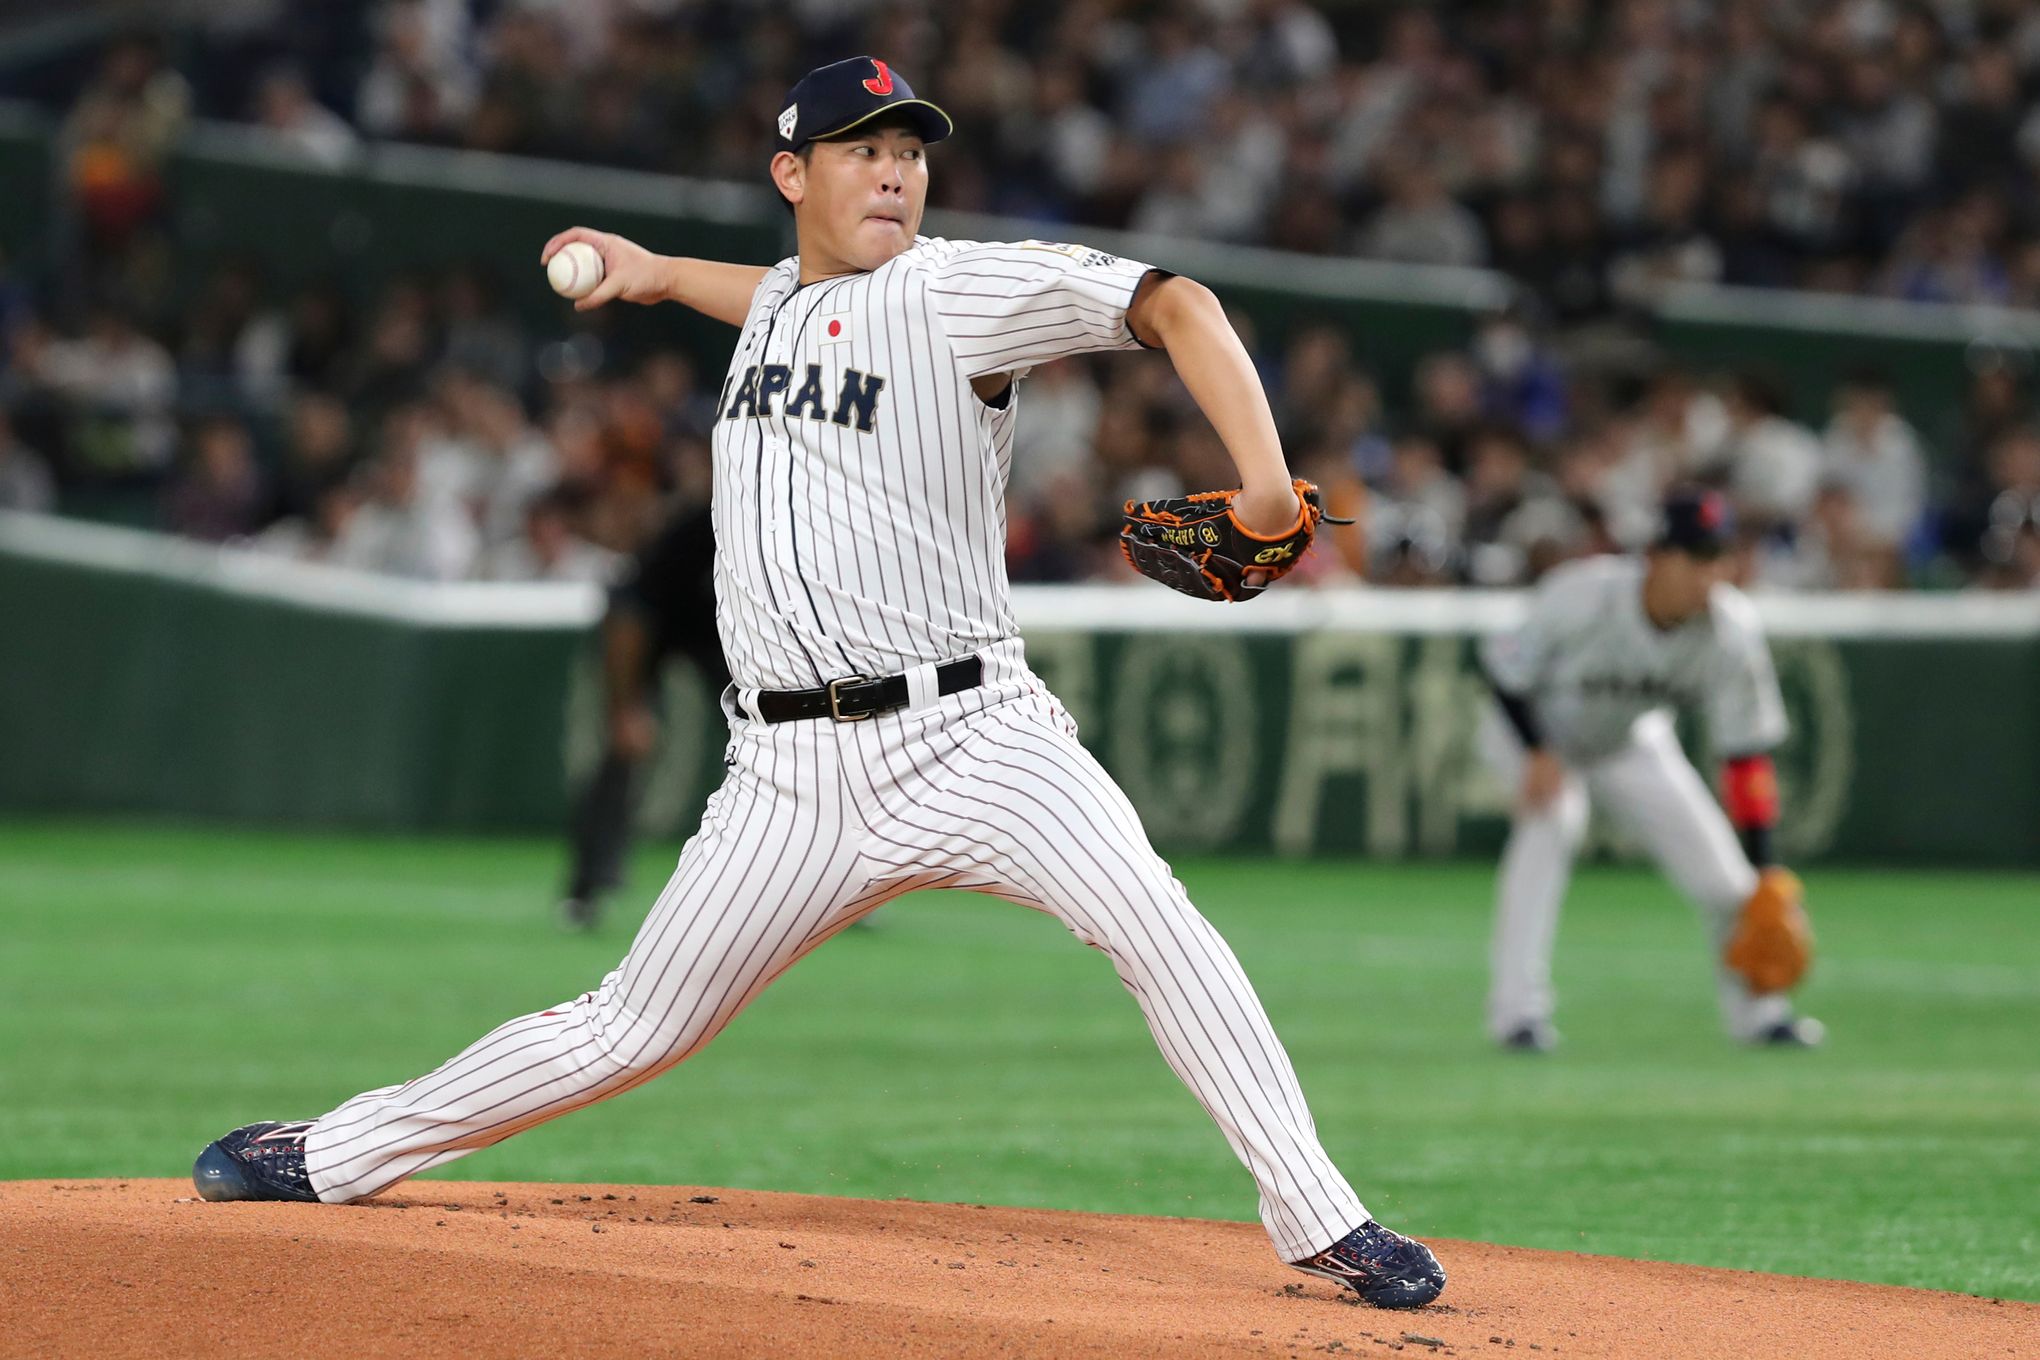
(1592, 663)
(859, 481)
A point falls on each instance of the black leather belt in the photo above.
(857, 697)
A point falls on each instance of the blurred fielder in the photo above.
(663, 607)
(1583, 691)
(886, 732)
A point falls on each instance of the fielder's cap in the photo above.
(832, 100)
(1698, 522)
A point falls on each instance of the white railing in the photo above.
(1131, 607)
(262, 576)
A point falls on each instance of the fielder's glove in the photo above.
(1196, 544)
(1773, 941)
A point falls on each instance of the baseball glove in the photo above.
(1196, 544)
(1773, 941)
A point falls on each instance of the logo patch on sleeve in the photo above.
(1083, 255)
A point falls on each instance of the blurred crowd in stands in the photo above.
(1595, 153)
(428, 435)
(1595, 150)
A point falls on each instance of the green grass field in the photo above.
(160, 985)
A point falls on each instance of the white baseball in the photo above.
(574, 270)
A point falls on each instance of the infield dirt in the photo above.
(141, 1268)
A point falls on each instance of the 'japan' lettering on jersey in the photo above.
(860, 483)
(1591, 663)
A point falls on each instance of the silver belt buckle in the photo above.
(836, 698)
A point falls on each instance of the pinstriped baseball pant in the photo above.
(819, 823)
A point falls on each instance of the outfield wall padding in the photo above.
(159, 678)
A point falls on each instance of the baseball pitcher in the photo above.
(886, 733)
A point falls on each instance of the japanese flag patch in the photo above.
(834, 328)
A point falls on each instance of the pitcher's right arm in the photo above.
(634, 274)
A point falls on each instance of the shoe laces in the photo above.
(282, 1147)
(1369, 1248)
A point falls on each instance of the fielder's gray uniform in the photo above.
(1602, 679)
(860, 522)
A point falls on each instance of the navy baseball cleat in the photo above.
(1801, 1031)
(1384, 1268)
(258, 1161)
(1535, 1036)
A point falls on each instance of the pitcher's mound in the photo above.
(142, 1268)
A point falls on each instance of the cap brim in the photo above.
(929, 120)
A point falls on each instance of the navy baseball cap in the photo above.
(1698, 522)
(831, 100)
